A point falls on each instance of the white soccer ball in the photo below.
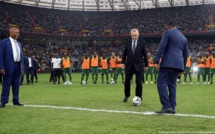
(178, 80)
(112, 82)
(84, 82)
(136, 101)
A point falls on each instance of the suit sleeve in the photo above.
(124, 54)
(185, 53)
(36, 65)
(145, 55)
(22, 64)
(162, 48)
(2, 49)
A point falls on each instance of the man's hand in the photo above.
(2, 72)
(123, 66)
(157, 66)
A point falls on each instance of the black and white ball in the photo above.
(84, 82)
(112, 82)
(136, 101)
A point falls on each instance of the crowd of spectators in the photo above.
(15, 15)
(44, 48)
(2, 23)
(188, 19)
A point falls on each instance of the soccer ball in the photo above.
(136, 101)
(84, 82)
(112, 82)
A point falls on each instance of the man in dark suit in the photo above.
(36, 67)
(30, 65)
(173, 51)
(132, 61)
(11, 66)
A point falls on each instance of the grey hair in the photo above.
(134, 30)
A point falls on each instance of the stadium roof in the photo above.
(107, 5)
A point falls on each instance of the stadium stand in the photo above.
(45, 31)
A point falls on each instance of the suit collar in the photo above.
(174, 28)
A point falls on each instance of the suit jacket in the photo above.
(6, 57)
(33, 62)
(138, 58)
(173, 50)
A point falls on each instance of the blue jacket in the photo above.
(173, 50)
(6, 57)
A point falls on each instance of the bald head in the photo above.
(134, 34)
(14, 32)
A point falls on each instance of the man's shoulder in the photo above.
(142, 41)
(5, 40)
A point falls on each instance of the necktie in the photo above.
(134, 46)
(17, 59)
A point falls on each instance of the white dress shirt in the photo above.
(16, 53)
(29, 61)
(134, 42)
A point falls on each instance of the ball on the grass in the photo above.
(112, 82)
(136, 101)
(84, 82)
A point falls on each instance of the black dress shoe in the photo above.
(162, 111)
(173, 111)
(125, 99)
(18, 104)
(2, 105)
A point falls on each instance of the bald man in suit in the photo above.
(11, 66)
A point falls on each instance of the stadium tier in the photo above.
(199, 18)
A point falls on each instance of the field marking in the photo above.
(35, 85)
(118, 111)
(47, 85)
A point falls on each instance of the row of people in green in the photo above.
(110, 64)
(206, 68)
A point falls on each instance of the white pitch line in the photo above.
(56, 85)
(117, 111)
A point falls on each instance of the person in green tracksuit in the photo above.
(119, 69)
(94, 61)
(112, 68)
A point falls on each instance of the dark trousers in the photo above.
(51, 76)
(11, 80)
(35, 74)
(166, 85)
(139, 81)
(1, 78)
(30, 71)
(21, 79)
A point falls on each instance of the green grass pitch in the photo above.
(191, 99)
